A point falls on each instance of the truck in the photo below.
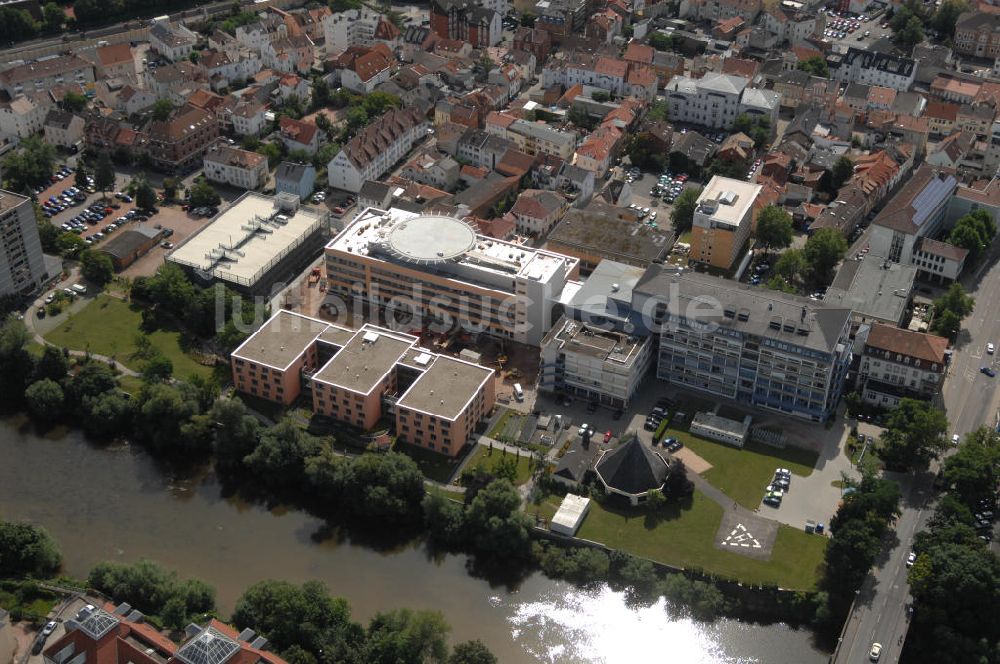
(160, 19)
(314, 277)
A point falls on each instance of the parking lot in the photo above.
(854, 30)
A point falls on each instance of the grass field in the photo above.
(108, 326)
(686, 538)
(482, 456)
(508, 426)
(743, 474)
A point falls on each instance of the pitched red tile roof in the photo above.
(927, 347)
(296, 130)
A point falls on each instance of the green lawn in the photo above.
(686, 538)
(35, 348)
(508, 426)
(108, 326)
(441, 491)
(489, 458)
(743, 474)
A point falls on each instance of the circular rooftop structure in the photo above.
(430, 239)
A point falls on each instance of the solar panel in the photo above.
(209, 647)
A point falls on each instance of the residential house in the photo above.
(362, 69)
(466, 20)
(434, 169)
(716, 100)
(977, 34)
(351, 27)
(293, 54)
(950, 87)
(292, 85)
(376, 148)
(42, 75)
(941, 117)
(953, 150)
(694, 147)
(603, 26)
(297, 179)
(236, 167)
(561, 18)
(222, 68)
(299, 135)
(874, 68)
(898, 364)
(535, 41)
(131, 100)
(976, 118)
(22, 116)
(63, 129)
(176, 145)
(537, 211)
(248, 118)
(173, 41)
(599, 149)
(115, 61)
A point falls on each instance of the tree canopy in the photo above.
(104, 173)
(774, 228)
(914, 434)
(27, 550)
(682, 215)
(30, 165)
(823, 251)
(816, 66)
(950, 309)
(96, 266)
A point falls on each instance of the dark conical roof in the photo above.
(632, 468)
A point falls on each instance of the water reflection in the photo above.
(116, 503)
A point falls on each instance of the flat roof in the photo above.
(242, 243)
(596, 231)
(10, 200)
(734, 198)
(431, 239)
(365, 360)
(602, 345)
(282, 339)
(874, 287)
(446, 387)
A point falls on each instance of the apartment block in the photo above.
(591, 363)
(172, 40)
(977, 34)
(758, 347)
(716, 100)
(376, 148)
(44, 74)
(723, 219)
(361, 377)
(22, 266)
(872, 68)
(239, 168)
(897, 364)
(177, 144)
(439, 271)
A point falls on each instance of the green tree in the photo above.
(16, 365)
(53, 16)
(108, 416)
(236, 432)
(528, 19)
(298, 655)
(816, 65)
(472, 652)
(44, 399)
(966, 237)
(74, 102)
(774, 228)
(70, 245)
(174, 613)
(405, 636)
(843, 169)
(280, 456)
(157, 369)
(53, 364)
(145, 196)
(163, 411)
(497, 527)
(170, 188)
(48, 234)
(203, 194)
(950, 309)
(915, 434)
(27, 550)
(104, 174)
(792, 265)
(972, 472)
(445, 519)
(823, 251)
(162, 109)
(194, 56)
(661, 41)
(16, 25)
(682, 216)
(96, 266)
(29, 166)
(946, 16)
(911, 34)
(356, 117)
(80, 177)
(384, 487)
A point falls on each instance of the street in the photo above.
(970, 400)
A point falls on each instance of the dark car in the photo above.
(988, 371)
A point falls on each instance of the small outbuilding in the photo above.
(570, 515)
(632, 470)
(130, 245)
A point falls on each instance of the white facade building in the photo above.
(22, 117)
(22, 266)
(871, 68)
(235, 167)
(376, 148)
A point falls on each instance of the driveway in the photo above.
(815, 497)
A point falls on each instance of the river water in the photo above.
(116, 504)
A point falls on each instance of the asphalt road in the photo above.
(971, 401)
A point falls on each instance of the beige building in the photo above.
(367, 376)
(63, 129)
(239, 168)
(438, 273)
(897, 364)
(723, 219)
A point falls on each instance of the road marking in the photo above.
(741, 537)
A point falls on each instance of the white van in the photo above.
(518, 392)
(80, 288)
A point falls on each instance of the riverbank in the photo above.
(116, 503)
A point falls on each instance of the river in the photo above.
(115, 503)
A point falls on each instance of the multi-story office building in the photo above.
(723, 219)
(361, 377)
(759, 347)
(897, 363)
(22, 266)
(445, 275)
(601, 366)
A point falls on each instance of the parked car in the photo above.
(988, 371)
(875, 652)
(49, 628)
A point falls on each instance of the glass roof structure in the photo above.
(209, 647)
